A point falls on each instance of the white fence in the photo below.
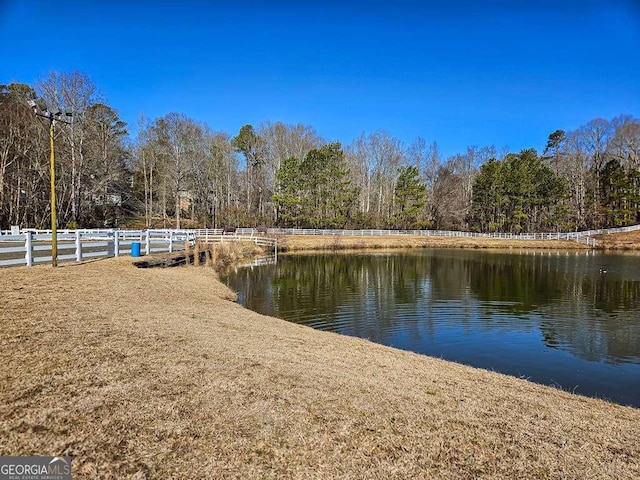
(583, 236)
(216, 235)
(31, 246)
(34, 246)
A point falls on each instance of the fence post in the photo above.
(187, 250)
(116, 243)
(78, 247)
(170, 241)
(196, 254)
(147, 243)
(28, 255)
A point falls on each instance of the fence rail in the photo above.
(582, 236)
(30, 246)
(33, 246)
(216, 235)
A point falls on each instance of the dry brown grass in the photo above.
(227, 254)
(156, 373)
(621, 241)
(329, 242)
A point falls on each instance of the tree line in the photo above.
(179, 172)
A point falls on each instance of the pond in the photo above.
(562, 318)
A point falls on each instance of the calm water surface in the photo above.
(567, 319)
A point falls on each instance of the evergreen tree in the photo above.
(287, 198)
(316, 192)
(519, 194)
(489, 199)
(619, 194)
(409, 198)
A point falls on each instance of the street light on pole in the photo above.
(53, 118)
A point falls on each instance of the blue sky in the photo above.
(493, 72)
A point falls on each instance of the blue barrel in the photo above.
(135, 249)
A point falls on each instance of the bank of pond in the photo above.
(569, 319)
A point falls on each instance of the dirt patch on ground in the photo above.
(156, 373)
(335, 242)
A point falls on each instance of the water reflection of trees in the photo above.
(516, 283)
(615, 340)
(356, 295)
(584, 310)
(602, 323)
(575, 306)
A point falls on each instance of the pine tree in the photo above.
(409, 199)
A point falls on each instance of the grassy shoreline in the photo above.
(157, 373)
(295, 243)
(621, 241)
